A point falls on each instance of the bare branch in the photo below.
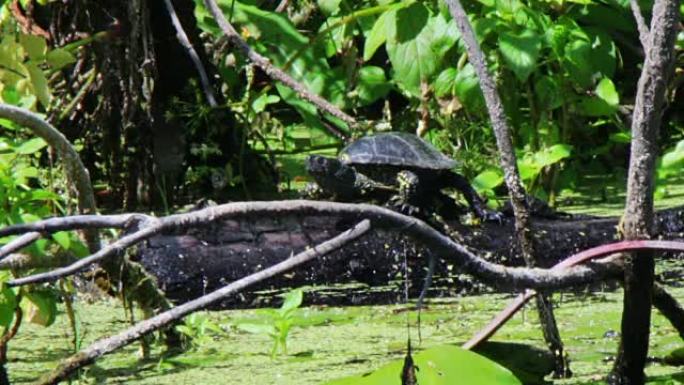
(274, 72)
(445, 247)
(185, 42)
(152, 228)
(19, 243)
(75, 222)
(576, 259)
(76, 172)
(124, 338)
(641, 24)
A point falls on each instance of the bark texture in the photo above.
(638, 218)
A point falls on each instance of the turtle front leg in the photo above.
(408, 193)
(476, 203)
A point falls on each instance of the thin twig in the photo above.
(274, 72)
(18, 243)
(642, 27)
(576, 259)
(76, 172)
(185, 42)
(108, 345)
(74, 222)
(111, 249)
(282, 6)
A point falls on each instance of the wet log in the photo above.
(369, 270)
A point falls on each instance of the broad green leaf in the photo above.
(42, 307)
(417, 51)
(621, 137)
(293, 300)
(35, 46)
(446, 82)
(488, 180)
(553, 154)
(63, 239)
(603, 56)
(384, 28)
(528, 169)
(606, 91)
(468, 89)
(39, 83)
(8, 301)
(31, 146)
(329, 7)
(59, 58)
(25, 172)
(605, 102)
(442, 365)
(577, 61)
(548, 92)
(260, 103)
(520, 52)
(372, 85)
(674, 158)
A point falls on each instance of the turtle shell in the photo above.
(396, 149)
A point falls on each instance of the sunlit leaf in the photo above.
(520, 51)
(383, 29)
(39, 83)
(329, 7)
(42, 307)
(488, 180)
(35, 46)
(62, 238)
(372, 84)
(31, 146)
(59, 58)
(442, 365)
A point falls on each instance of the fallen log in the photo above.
(201, 259)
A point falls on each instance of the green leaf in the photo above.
(384, 28)
(417, 51)
(622, 137)
(548, 92)
(260, 103)
(39, 83)
(293, 300)
(35, 46)
(553, 154)
(520, 52)
(605, 102)
(446, 82)
(42, 307)
(488, 180)
(442, 365)
(329, 7)
(8, 301)
(468, 89)
(31, 146)
(62, 238)
(59, 58)
(674, 159)
(372, 85)
(577, 61)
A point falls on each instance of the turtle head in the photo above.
(317, 165)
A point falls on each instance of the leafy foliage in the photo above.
(442, 365)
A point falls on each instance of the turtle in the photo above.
(395, 167)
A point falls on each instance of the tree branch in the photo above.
(76, 172)
(185, 42)
(18, 243)
(638, 219)
(108, 345)
(492, 273)
(641, 24)
(274, 72)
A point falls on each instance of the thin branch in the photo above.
(74, 222)
(185, 42)
(282, 6)
(274, 72)
(19, 243)
(445, 247)
(108, 345)
(150, 230)
(76, 172)
(576, 259)
(641, 24)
